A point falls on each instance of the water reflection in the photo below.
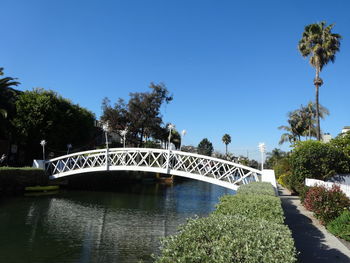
(85, 226)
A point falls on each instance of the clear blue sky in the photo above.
(232, 66)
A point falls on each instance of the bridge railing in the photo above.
(156, 160)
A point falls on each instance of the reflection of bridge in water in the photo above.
(122, 226)
(194, 166)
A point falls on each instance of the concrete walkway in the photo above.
(314, 243)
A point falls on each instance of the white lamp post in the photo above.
(123, 133)
(262, 149)
(105, 128)
(43, 143)
(69, 146)
(170, 128)
(183, 133)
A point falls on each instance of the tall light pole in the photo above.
(123, 133)
(43, 143)
(262, 149)
(183, 133)
(170, 128)
(105, 128)
(69, 146)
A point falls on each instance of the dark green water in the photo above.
(85, 226)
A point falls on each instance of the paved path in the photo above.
(312, 240)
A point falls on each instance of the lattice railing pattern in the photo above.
(157, 160)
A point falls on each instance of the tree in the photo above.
(205, 147)
(308, 115)
(141, 114)
(294, 130)
(5, 84)
(321, 45)
(226, 139)
(273, 157)
(45, 115)
(301, 123)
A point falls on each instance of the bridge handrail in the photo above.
(111, 150)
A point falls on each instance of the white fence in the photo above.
(313, 182)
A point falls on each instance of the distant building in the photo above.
(345, 129)
(326, 137)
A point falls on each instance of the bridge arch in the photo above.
(199, 167)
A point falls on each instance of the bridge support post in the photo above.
(168, 162)
(107, 158)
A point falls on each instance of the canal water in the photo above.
(89, 226)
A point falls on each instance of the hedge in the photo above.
(259, 188)
(24, 176)
(237, 231)
(318, 160)
(224, 239)
(252, 206)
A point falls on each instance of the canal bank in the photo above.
(13, 180)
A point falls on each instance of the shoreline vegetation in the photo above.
(246, 227)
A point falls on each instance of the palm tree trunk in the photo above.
(317, 85)
(226, 150)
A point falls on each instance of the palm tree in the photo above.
(308, 114)
(295, 128)
(321, 45)
(6, 83)
(226, 139)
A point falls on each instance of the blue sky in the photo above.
(232, 66)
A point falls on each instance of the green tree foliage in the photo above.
(45, 115)
(273, 157)
(8, 96)
(205, 147)
(226, 139)
(317, 160)
(141, 114)
(342, 142)
(320, 44)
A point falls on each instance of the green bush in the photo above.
(318, 160)
(252, 206)
(282, 167)
(284, 180)
(259, 188)
(341, 226)
(326, 204)
(224, 239)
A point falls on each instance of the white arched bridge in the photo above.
(212, 170)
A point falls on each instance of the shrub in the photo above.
(318, 160)
(252, 206)
(224, 239)
(282, 167)
(260, 188)
(341, 226)
(327, 204)
(284, 180)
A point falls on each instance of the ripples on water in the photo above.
(86, 226)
